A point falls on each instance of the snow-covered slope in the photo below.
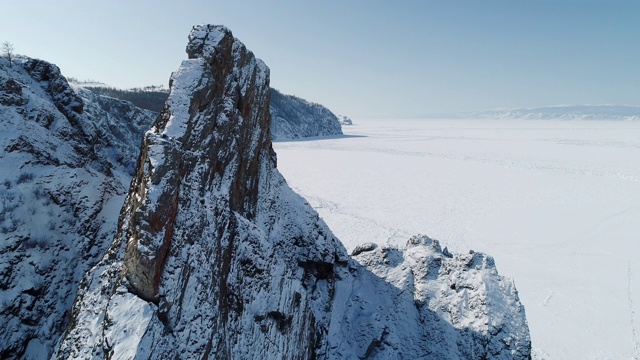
(66, 164)
(422, 302)
(294, 118)
(121, 125)
(216, 257)
(561, 112)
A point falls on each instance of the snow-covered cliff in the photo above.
(422, 302)
(66, 164)
(294, 118)
(216, 257)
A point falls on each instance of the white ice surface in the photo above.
(556, 203)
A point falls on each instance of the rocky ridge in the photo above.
(65, 159)
(215, 256)
(295, 118)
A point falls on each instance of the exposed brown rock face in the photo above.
(226, 107)
(230, 260)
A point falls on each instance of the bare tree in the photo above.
(7, 48)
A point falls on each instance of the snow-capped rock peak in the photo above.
(203, 40)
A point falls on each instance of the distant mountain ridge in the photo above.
(149, 97)
(292, 117)
(562, 112)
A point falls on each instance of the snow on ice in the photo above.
(556, 203)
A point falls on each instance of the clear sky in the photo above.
(362, 58)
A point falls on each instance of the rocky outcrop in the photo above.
(216, 257)
(65, 176)
(294, 118)
(345, 120)
(55, 85)
(216, 254)
(423, 302)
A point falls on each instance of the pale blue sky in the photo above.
(365, 58)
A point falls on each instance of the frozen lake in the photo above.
(556, 203)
